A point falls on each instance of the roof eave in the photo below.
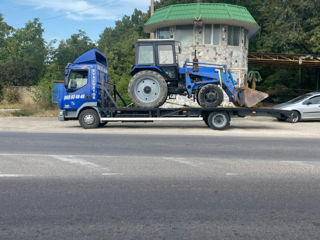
(252, 27)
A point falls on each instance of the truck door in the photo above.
(77, 88)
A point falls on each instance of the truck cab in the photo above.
(83, 86)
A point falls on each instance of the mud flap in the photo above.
(248, 97)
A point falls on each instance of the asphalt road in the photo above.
(118, 186)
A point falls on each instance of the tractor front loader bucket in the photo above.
(248, 97)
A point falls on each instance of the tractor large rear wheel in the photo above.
(210, 96)
(148, 89)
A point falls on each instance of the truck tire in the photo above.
(148, 89)
(210, 96)
(219, 120)
(89, 118)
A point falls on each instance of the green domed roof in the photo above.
(181, 14)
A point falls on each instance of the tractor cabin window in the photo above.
(146, 55)
(77, 79)
(165, 53)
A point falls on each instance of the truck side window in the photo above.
(165, 53)
(77, 79)
(146, 55)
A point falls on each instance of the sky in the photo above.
(62, 18)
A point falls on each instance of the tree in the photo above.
(22, 63)
(72, 48)
(117, 42)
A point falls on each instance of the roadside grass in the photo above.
(26, 110)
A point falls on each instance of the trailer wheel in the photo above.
(148, 89)
(210, 96)
(89, 118)
(294, 117)
(219, 120)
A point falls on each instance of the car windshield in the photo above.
(297, 99)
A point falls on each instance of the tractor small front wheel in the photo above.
(210, 96)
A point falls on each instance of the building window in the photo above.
(145, 56)
(233, 35)
(164, 33)
(208, 33)
(184, 34)
(216, 34)
(245, 37)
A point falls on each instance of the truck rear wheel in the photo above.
(89, 118)
(210, 96)
(148, 89)
(219, 120)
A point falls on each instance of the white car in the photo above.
(305, 107)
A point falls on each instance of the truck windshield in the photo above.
(77, 79)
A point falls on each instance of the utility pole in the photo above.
(152, 12)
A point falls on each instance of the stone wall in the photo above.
(235, 57)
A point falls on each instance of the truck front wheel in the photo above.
(89, 118)
(148, 89)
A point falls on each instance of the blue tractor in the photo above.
(156, 75)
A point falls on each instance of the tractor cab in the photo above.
(157, 54)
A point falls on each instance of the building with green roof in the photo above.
(219, 32)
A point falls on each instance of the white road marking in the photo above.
(14, 175)
(301, 163)
(232, 174)
(46, 155)
(182, 161)
(75, 160)
(111, 174)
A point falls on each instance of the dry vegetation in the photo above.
(19, 102)
(24, 110)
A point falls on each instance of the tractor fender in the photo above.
(137, 69)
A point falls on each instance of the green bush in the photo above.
(42, 94)
(11, 95)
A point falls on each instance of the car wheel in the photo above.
(294, 117)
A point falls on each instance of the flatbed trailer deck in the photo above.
(216, 118)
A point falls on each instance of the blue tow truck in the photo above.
(88, 96)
